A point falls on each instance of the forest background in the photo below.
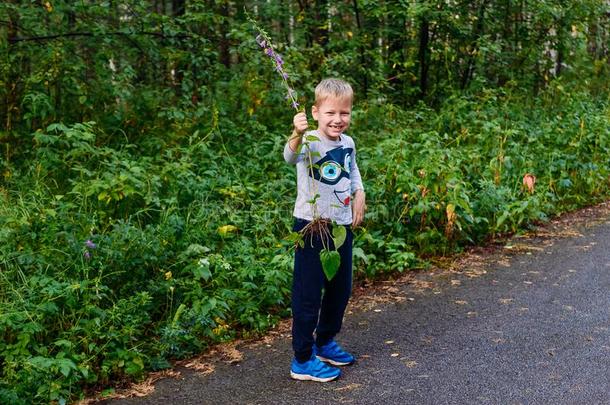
(144, 201)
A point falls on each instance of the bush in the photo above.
(118, 259)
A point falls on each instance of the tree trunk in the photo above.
(560, 48)
(225, 56)
(12, 92)
(320, 27)
(178, 7)
(424, 39)
(476, 35)
(365, 79)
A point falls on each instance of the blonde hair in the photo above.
(336, 88)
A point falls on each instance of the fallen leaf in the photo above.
(475, 273)
(504, 263)
(203, 368)
(460, 302)
(349, 387)
(142, 389)
(421, 284)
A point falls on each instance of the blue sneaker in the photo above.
(313, 370)
(333, 353)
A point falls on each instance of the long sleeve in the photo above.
(290, 156)
(355, 178)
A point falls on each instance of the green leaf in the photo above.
(294, 238)
(330, 262)
(339, 235)
(177, 315)
(135, 366)
(107, 392)
(314, 199)
(311, 138)
(66, 366)
(202, 271)
(359, 253)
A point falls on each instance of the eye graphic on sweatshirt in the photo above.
(348, 163)
(330, 171)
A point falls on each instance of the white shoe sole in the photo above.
(334, 363)
(307, 377)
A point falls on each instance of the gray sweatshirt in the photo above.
(335, 177)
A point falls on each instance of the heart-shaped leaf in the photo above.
(339, 234)
(330, 262)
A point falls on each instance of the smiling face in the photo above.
(333, 116)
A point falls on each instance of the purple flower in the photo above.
(86, 255)
(261, 41)
(265, 43)
(90, 244)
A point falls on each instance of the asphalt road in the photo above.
(530, 327)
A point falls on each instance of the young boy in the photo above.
(337, 180)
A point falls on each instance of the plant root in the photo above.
(317, 227)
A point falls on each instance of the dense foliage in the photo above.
(144, 199)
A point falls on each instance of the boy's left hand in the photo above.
(358, 208)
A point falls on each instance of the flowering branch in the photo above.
(330, 259)
(264, 41)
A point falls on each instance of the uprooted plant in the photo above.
(324, 228)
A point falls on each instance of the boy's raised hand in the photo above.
(300, 123)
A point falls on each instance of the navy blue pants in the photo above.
(312, 310)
